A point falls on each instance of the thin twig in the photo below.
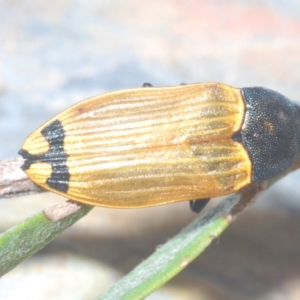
(13, 181)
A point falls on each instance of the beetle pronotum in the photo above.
(156, 145)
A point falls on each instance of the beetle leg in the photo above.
(147, 85)
(198, 204)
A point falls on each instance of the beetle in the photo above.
(156, 145)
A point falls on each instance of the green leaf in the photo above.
(175, 255)
(23, 240)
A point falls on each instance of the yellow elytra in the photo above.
(150, 146)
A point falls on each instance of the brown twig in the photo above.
(13, 181)
(249, 195)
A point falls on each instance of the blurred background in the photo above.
(56, 53)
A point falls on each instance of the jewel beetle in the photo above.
(156, 145)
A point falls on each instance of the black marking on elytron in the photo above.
(55, 156)
(147, 85)
(270, 133)
(197, 205)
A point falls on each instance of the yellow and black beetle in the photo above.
(151, 146)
